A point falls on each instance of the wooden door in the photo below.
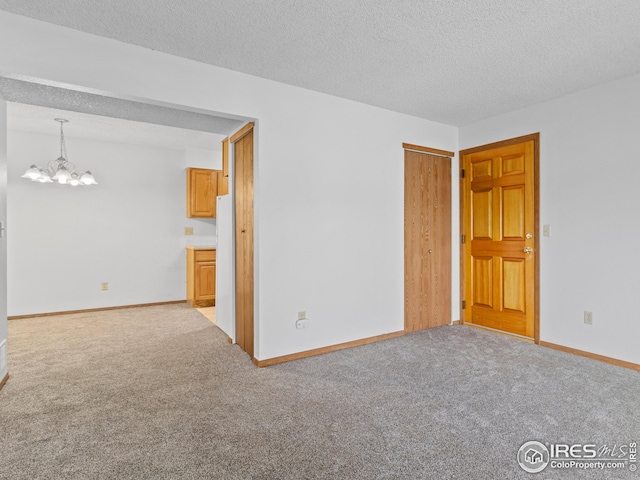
(427, 243)
(243, 191)
(500, 225)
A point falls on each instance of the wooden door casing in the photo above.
(499, 193)
(244, 231)
(427, 217)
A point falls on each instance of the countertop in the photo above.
(200, 247)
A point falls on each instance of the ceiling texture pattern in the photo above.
(454, 61)
(22, 117)
(49, 96)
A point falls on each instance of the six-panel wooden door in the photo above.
(499, 228)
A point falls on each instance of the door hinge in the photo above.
(463, 238)
(462, 173)
(464, 304)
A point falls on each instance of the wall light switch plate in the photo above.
(546, 230)
(188, 230)
(105, 286)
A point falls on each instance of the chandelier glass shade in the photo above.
(60, 170)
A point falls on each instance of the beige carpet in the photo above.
(158, 393)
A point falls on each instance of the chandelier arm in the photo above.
(51, 167)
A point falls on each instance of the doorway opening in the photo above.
(121, 107)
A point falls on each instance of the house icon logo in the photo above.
(533, 456)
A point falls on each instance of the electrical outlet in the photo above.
(105, 286)
(302, 323)
(588, 318)
(188, 230)
(302, 315)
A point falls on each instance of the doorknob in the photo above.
(528, 236)
(527, 250)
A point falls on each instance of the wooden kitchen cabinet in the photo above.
(225, 157)
(223, 184)
(201, 276)
(202, 189)
(223, 176)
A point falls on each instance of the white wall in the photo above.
(589, 195)
(128, 230)
(329, 179)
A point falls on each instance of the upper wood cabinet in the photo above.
(225, 157)
(223, 184)
(223, 176)
(202, 189)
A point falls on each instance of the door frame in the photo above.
(535, 137)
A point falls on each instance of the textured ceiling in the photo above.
(455, 61)
(34, 106)
(21, 91)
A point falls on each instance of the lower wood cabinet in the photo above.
(201, 277)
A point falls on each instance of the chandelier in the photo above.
(60, 170)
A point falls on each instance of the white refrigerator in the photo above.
(224, 267)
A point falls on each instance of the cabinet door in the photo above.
(223, 184)
(205, 281)
(202, 189)
(225, 157)
(223, 176)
